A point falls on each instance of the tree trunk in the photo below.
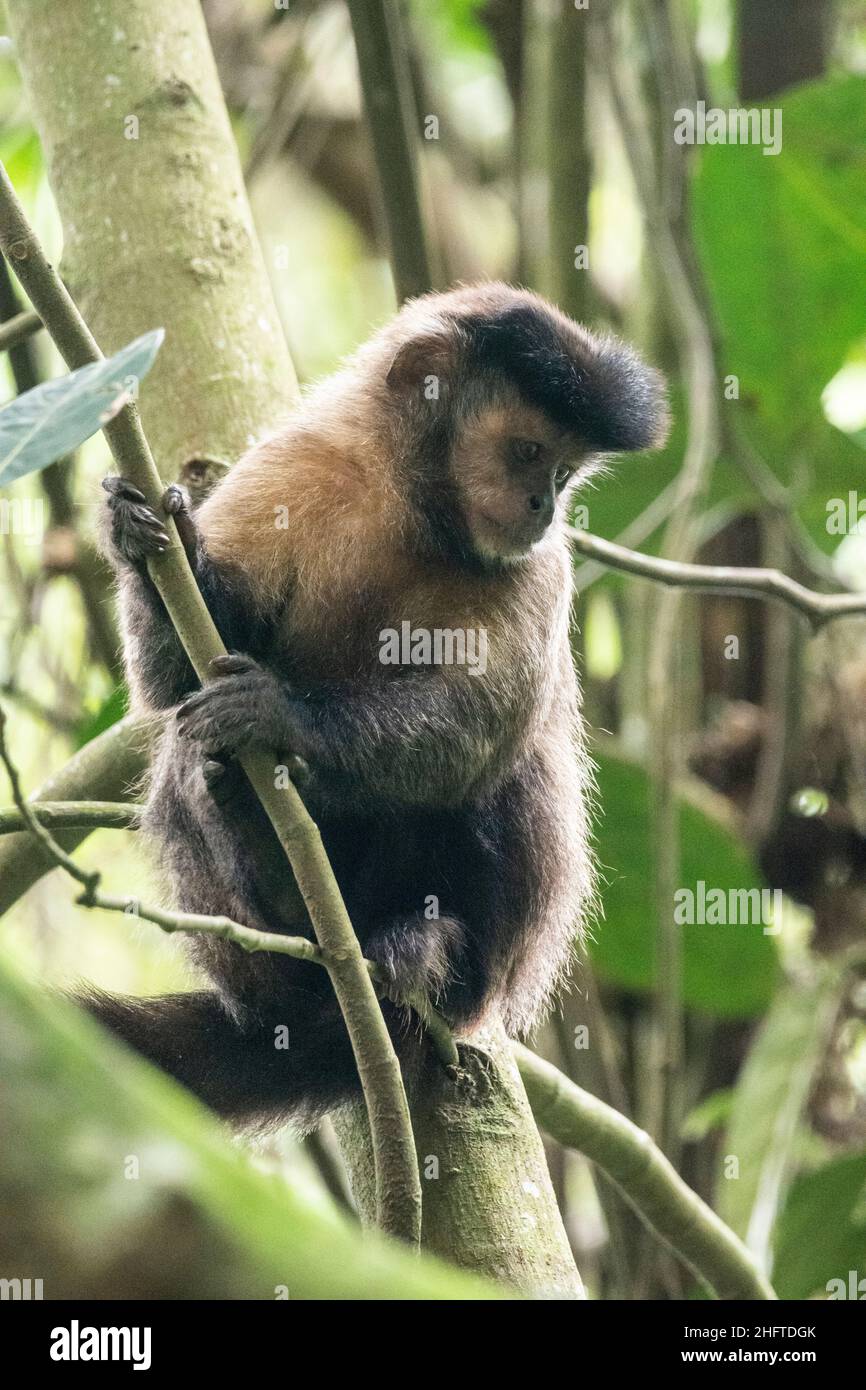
(488, 1200)
(781, 43)
(158, 231)
(157, 228)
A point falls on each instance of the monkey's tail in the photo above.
(252, 1075)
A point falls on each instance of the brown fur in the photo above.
(425, 483)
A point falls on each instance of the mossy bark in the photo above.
(488, 1202)
(157, 227)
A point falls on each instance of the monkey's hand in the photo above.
(245, 706)
(135, 530)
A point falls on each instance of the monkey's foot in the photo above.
(415, 955)
(223, 779)
(136, 531)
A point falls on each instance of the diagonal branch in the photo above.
(647, 1179)
(397, 1180)
(18, 329)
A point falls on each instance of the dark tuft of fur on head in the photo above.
(596, 387)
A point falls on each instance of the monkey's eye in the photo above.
(527, 450)
(562, 475)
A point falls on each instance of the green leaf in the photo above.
(783, 244)
(111, 711)
(728, 971)
(712, 1112)
(50, 421)
(117, 1183)
(822, 1231)
(770, 1096)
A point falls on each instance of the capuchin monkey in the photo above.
(421, 490)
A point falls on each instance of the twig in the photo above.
(759, 583)
(645, 1177)
(41, 818)
(18, 329)
(73, 815)
(662, 195)
(385, 82)
(398, 1184)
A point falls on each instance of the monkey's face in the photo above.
(511, 467)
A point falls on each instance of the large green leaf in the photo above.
(783, 244)
(782, 241)
(53, 419)
(729, 971)
(769, 1099)
(822, 1231)
(116, 1183)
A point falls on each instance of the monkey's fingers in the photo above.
(176, 503)
(136, 530)
(116, 486)
(232, 664)
(216, 720)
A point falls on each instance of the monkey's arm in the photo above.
(156, 661)
(423, 739)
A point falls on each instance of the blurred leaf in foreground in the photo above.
(114, 1183)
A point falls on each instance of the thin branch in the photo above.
(661, 191)
(105, 768)
(18, 329)
(646, 1179)
(385, 82)
(759, 583)
(41, 818)
(73, 815)
(398, 1183)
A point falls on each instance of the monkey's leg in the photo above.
(293, 1064)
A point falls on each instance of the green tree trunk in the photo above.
(157, 228)
(488, 1202)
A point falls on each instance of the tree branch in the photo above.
(385, 83)
(760, 583)
(73, 815)
(647, 1180)
(103, 769)
(18, 329)
(398, 1182)
(40, 819)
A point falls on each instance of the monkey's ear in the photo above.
(429, 352)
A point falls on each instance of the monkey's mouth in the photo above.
(508, 538)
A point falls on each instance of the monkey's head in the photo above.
(504, 405)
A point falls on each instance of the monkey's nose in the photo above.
(542, 507)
